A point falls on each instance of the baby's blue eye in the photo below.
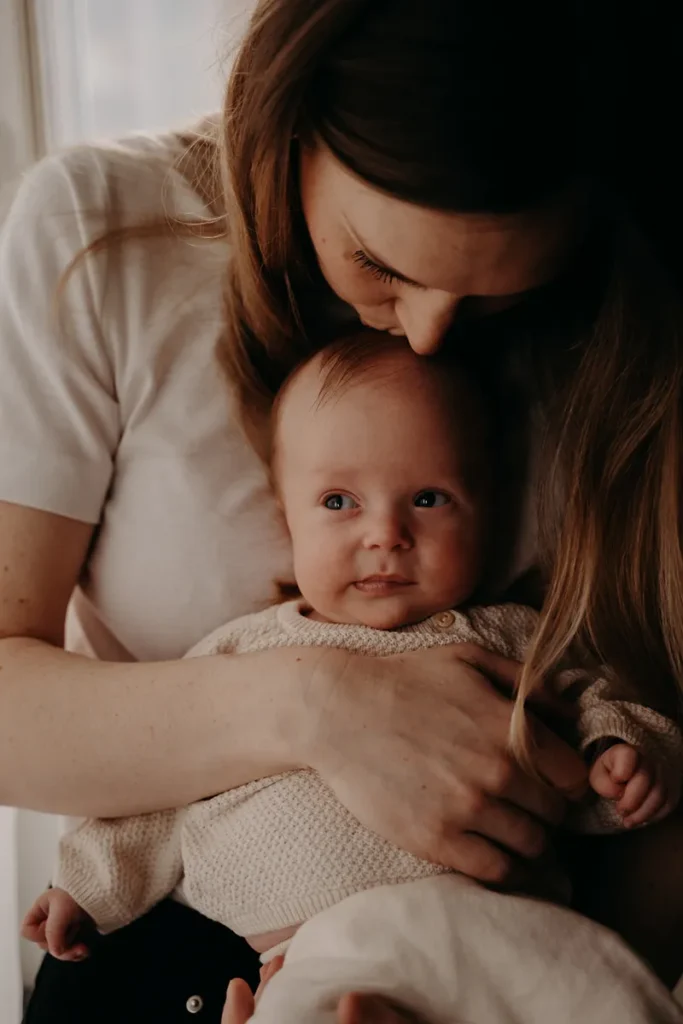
(430, 499)
(339, 502)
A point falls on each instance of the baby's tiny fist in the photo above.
(634, 783)
(613, 770)
(58, 925)
(647, 797)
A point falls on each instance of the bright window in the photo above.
(108, 67)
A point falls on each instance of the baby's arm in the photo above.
(109, 872)
(637, 758)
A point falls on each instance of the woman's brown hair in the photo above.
(474, 106)
(407, 97)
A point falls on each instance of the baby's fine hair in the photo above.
(358, 356)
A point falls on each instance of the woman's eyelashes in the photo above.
(470, 307)
(384, 274)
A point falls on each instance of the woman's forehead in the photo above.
(462, 254)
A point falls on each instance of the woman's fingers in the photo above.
(477, 857)
(239, 1003)
(555, 760)
(512, 828)
(504, 673)
(435, 775)
(268, 971)
(354, 1008)
(502, 780)
(559, 764)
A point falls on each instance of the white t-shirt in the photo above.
(122, 417)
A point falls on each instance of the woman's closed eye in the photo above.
(387, 275)
(339, 502)
(431, 499)
(383, 274)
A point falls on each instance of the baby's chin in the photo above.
(378, 613)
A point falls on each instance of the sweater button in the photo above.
(444, 620)
(194, 1004)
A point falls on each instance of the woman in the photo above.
(372, 160)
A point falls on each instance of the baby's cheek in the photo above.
(456, 565)
(320, 568)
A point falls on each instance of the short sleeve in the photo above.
(59, 418)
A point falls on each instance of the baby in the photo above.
(381, 461)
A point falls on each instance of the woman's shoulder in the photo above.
(117, 201)
(103, 185)
(85, 353)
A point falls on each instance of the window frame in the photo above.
(22, 115)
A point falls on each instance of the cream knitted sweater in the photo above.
(273, 853)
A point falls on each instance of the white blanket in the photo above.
(456, 953)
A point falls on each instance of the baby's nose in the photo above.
(388, 532)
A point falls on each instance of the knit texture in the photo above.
(273, 853)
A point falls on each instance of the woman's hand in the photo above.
(239, 1002)
(416, 747)
(354, 1008)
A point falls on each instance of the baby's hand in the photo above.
(58, 925)
(635, 784)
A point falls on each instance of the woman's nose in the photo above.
(425, 317)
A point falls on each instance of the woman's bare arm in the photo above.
(83, 737)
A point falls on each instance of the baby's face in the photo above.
(385, 527)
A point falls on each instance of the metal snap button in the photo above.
(194, 1004)
(444, 620)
